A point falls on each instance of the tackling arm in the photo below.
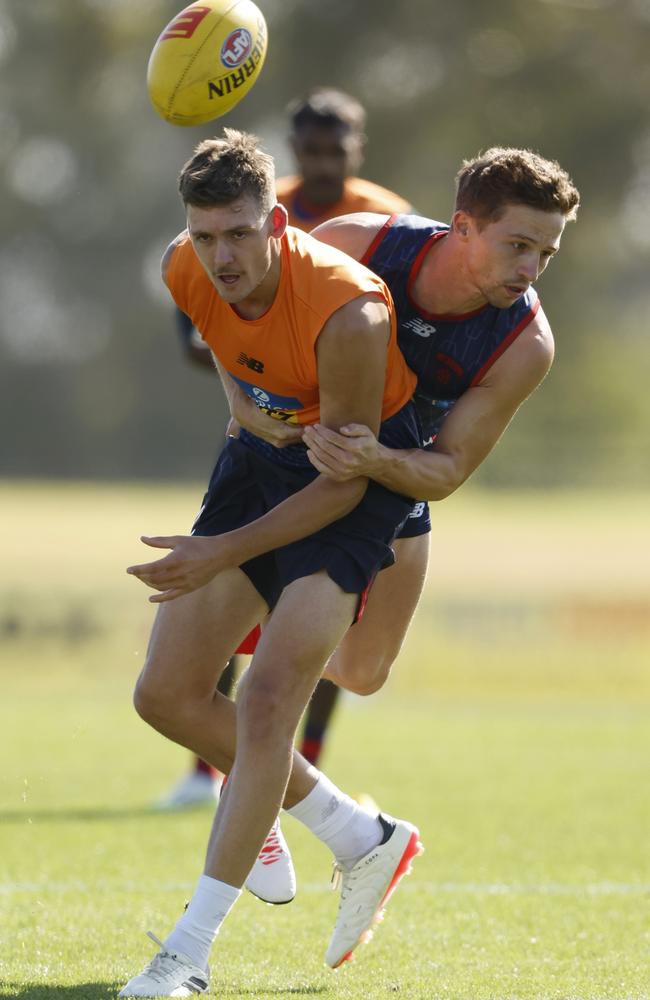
(468, 435)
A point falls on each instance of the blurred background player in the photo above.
(327, 138)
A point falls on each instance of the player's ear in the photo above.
(460, 224)
(279, 219)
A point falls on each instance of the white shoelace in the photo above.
(162, 964)
(342, 879)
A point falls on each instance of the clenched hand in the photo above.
(343, 455)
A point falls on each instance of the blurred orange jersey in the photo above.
(273, 358)
(358, 196)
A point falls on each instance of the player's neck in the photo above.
(443, 287)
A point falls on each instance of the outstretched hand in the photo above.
(346, 454)
(193, 561)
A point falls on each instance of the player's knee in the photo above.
(151, 703)
(370, 682)
(365, 676)
(261, 711)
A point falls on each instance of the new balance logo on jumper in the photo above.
(419, 327)
(252, 363)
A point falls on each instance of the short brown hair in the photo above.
(486, 185)
(222, 170)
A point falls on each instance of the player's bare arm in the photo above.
(351, 354)
(353, 233)
(468, 435)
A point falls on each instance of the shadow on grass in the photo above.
(278, 991)
(27, 815)
(108, 991)
(84, 991)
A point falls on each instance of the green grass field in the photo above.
(514, 732)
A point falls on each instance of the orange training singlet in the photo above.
(273, 358)
(358, 196)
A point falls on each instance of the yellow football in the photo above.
(206, 59)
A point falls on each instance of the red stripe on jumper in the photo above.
(505, 344)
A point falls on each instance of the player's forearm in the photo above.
(306, 512)
(427, 475)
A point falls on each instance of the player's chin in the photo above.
(510, 293)
(230, 286)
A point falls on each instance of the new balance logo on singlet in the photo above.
(252, 363)
(418, 326)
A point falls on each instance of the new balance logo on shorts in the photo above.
(418, 509)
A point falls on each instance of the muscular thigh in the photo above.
(308, 622)
(194, 636)
(369, 648)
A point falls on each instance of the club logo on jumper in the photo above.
(236, 48)
(448, 370)
(419, 327)
(252, 363)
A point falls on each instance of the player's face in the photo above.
(326, 155)
(507, 256)
(235, 244)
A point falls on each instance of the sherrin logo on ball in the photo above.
(206, 60)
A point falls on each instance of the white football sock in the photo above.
(196, 930)
(339, 822)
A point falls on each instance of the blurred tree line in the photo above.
(92, 380)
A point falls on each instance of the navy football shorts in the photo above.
(418, 522)
(246, 484)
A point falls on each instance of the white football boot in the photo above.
(272, 878)
(366, 889)
(167, 975)
(197, 788)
